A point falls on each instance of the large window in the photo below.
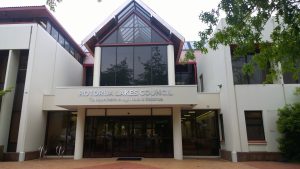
(61, 129)
(254, 125)
(134, 30)
(134, 65)
(289, 78)
(185, 74)
(258, 76)
(200, 133)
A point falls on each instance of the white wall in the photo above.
(267, 98)
(217, 70)
(15, 36)
(49, 66)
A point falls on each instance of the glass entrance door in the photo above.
(122, 138)
(143, 136)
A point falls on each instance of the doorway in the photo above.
(128, 136)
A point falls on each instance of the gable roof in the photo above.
(91, 40)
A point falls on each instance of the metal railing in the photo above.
(60, 150)
(43, 152)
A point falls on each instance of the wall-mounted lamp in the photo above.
(220, 86)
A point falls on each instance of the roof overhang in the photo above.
(31, 12)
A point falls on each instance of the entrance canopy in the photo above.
(91, 97)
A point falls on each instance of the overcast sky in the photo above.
(80, 17)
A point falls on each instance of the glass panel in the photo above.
(142, 65)
(288, 78)
(258, 76)
(72, 51)
(125, 35)
(122, 140)
(145, 13)
(155, 37)
(67, 46)
(54, 33)
(134, 30)
(89, 72)
(108, 66)
(159, 65)
(61, 40)
(111, 39)
(238, 76)
(126, 11)
(124, 68)
(142, 35)
(61, 131)
(163, 136)
(185, 74)
(18, 100)
(48, 27)
(200, 134)
(3, 65)
(254, 125)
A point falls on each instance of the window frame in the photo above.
(259, 124)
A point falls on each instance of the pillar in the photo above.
(8, 98)
(97, 64)
(177, 135)
(171, 65)
(79, 139)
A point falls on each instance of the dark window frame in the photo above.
(222, 127)
(254, 127)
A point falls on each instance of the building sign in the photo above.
(160, 95)
(135, 95)
(149, 92)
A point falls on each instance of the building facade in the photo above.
(132, 95)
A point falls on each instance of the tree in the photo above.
(53, 3)
(245, 22)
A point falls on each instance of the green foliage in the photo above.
(53, 3)
(245, 23)
(189, 55)
(289, 126)
(3, 92)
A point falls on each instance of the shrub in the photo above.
(289, 126)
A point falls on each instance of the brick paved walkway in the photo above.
(111, 163)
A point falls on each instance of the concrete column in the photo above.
(8, 98)
(79, 139)
(97, 64)
(177, 135)
(171, 65)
